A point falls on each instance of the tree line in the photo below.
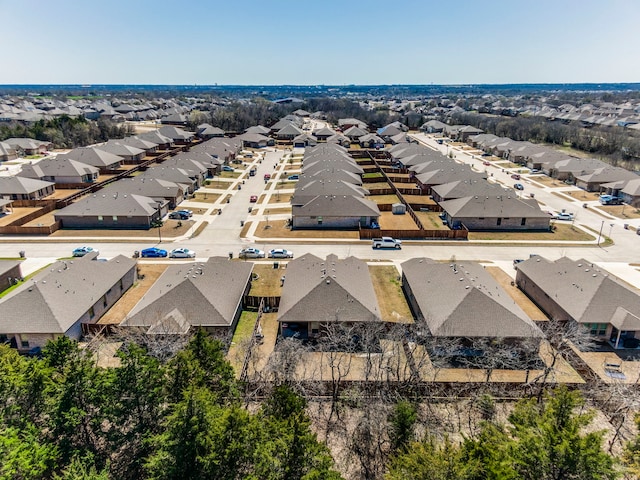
(66, 132)
(614, 145)
(180, 413)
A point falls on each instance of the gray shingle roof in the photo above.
(493, 206)
(55, 167)
(57, 297)
(326, 291)
(337, 206)
(588, 293)
(98, 157)
(463, 300)
(21, 185)
(199, 294)
(111, 204)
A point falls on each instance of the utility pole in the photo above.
(600, 232)
(159, 222)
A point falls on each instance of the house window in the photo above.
(319, 220)
(24, 341)
(523, 221)
(598, 329)
(92, 313)
(499, 222)
(100, 218)
(114, 218)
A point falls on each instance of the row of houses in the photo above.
(459, 301)
(329, 192)
(589, 174)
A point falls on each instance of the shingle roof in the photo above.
(111, 204)
(493, 206)
(57, 297)
(326, 291)
(53, 167)
(21, 185)
(337, 206)
(588, 293)
(463, 300)
(98, 157)
(199, 294)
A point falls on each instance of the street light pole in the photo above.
(600, 232)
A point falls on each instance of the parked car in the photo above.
(251, 252)
(82, 251)
(293, 177)
(153, 252)
(386, 242)
(486, 163)
(267, 176)
(227, 168)
(184, 210)
(182, 253)
(252, 172)
(564, 216)
(179, 215)
(534, 170)
(518, 186)
(253, 198)
(515, 176)
(280, 253)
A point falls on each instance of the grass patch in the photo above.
(245, 229)
(245, 326)
(267, 283)
(561, 233)
(282, 185)
(279, 229)
(621, 211)
(372, 175)
(386, 199)
(32, 157)
(280, 198)
(200, 228)
(235, 174)
(393, 305)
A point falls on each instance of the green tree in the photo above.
(23, 454)
(402, 423)
(631, 454)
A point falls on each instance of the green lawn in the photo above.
(244, 328)
(372, 175)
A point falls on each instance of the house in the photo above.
(206, 131)
(401, 137)
(62, 297)
(28, 146)
(318, 293)
(155, 188)
(103, 160)
(571, 168)
(354, 133)
(462, 300)
(305, 140)
(10, 273)
(627, 190)
(113, 211)
(322, 134)
(255, 140)
(288, 132)
(259, 129)
(187, 175)
(175, 119)
(593, 181)
(335, 211)
(7, 152)
(580, 291)
(465, 188)
(61, 171)
(339, 139)
(178, 135)
(190, 295)
(433, 126)
(223, 149)
(130, 155)
(207, 164)
(22, 188)
(495, 212)
(371, 140)
(307, 190)
(162, 141)
(137, 142)
(346, 123)
(329, 175)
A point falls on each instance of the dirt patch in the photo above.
(16, 214)
(547, 181)
(508, 285)
(384, 199)
(376, 185)
(621, 211)
(389, 221)
(386, 284)
(279, 229)
(562, 232)
(419, 199)
(431, 221)
(148, 273)
(581, 194)
(200, 229)
(285, 185)
(279, 198)
(206, 197)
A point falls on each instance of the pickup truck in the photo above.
(386, 242)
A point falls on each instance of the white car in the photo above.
(82, 251)
(564, 216)
(182, 253)
(251, 252)
(280, 253)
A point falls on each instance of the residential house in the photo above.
(149, 147)
(288, 132)
(322, 134)
(593, 181)
(131, 155)
(254, 140)
(433, 126)
(259, 129)
(206, 295)
(28, 146)
(178, 135)
(580, 291)
(495, 212)
(354, 133)
(319, 293)
(10, 273)
(7, 152)
(162, 141)
(61, 171)
(305, 140)
(187, 175)
(335, 211)
(371, 140)
(206, 131)
(155, 188)
(22, 188)
(62, 297)
(112, 211)
(339, 139)
(461, 300)
(103, 160)
(346, 123)
(569, 169)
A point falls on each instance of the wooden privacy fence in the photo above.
(36, 230)
(253, 302)
(418, 234)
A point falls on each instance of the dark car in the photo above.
(518, 186)
(179, 215)
(153, 252)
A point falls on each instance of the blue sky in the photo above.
(271, 42)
